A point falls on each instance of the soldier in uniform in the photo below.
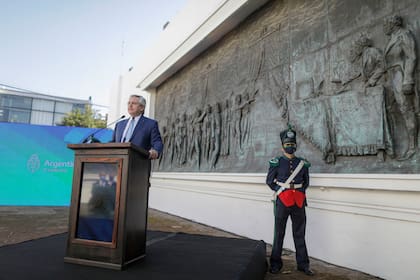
(288, 177)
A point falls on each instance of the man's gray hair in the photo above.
(142, 100)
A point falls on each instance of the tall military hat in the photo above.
(288, 135)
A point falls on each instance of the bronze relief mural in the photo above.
(354, 101)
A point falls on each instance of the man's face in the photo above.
(389, 27)
(289, 148)
(134, 107)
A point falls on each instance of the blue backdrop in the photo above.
(36, 167)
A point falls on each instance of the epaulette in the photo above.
(307, 164)
(274, 162)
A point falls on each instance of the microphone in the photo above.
(92, 139)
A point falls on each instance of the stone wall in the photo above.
(326, 67)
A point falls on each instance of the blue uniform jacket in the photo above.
(281, 168)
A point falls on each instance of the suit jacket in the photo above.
(145, 135)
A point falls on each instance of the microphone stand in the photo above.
(92, 139)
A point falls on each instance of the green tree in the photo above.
(86, 118)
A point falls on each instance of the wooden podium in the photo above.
(108, 210)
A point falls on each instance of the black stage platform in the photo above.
(168, 256)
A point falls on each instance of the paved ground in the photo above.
(18, 224)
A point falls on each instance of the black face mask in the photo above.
(290, 150)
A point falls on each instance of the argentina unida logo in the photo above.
(33, 163)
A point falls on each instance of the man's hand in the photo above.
(153, 154)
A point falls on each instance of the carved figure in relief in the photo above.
(239, 120)
(171, 144)
(165, 138)
(177, 140)
(236, 117)
(216, 126)
(371, 58)
(182, 139)
(206, 133)
(190, 135)
(371, 66)
(226, 127)
(400, 59)
(196, 145)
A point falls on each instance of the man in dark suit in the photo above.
(138, 129)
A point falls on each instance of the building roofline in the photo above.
(5, 89)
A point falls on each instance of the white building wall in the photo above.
(366, 222)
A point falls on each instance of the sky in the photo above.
(77, 48)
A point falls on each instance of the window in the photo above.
(19, 116)
(42, 118)
(4, 115)
(81, 107)
(61, 107)
(43, 105)
(14, 101)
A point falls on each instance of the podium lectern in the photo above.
(108, 210)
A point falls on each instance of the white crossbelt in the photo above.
(286, 185)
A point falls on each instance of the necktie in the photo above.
(129, 130)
